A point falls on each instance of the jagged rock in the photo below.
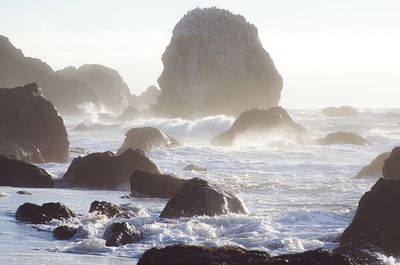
(216, 64)
(147, 138)
(374, 169)
(106, 170)
(109, 209)
(35, 214)
(145, 99)
(33, 124)
(154, 185)
(391, 167)
(262, 122)
(17, 173)
(343, 111)
(121, 233)
(198, 197)
(342, 138)
(23, 151)
(192, 167)
(64, 232)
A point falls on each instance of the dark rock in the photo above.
(377, 218)
(64, 232)
(262, 122)
(343, 111)
(109, 209)
(192, 167)
(17, 173)
(24, 192)
(391, 167)
(198, 197)
(121, 233)
(147, 138)
(32, 125)
(374, 169)
(342, 138)
(362, 254)
(154, 185)
(35, 214)
(106, 170)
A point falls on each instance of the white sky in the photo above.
(329, 52)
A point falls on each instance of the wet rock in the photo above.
(24, 192)
(64, 232)
(22, 151)
(391, 167)
(262, 123)
(374, 169)
(198, 197)
(121, 233)
(192, 167)
(154, 185)
(109, 209)
(17, 173)
(342, 138)
(35, 214)
(147, 138)
(106, 170)
(343, 111)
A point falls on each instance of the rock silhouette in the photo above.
(391, 167)
(343, 138)
(374, 169)
(35, 214)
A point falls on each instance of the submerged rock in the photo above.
(374, 169)
(343, 111)
(17, 173)
(24, 192)
(192, 167)
(391, 167)
(343, 138)
(106, 170)
(35, 214)
(154, 185)
(121, 233)
(261, 123)
(147, 138)
(64, 232)
(198, 197)
(109, 209)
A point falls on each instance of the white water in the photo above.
(299, 197)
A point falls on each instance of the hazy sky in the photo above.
(329, 52)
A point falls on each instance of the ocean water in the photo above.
(298, 197)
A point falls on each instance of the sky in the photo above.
(329, 52)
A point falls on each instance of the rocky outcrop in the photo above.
(109, 209)
(343, 111)
(17, 173)
(192, 167)
(31, 126)
(198, 197)
(391, 167)
(145, 184)
(377, 218)
(64, 232)
(216, 64)
(106, 170)
(108, 85)
(343, 138)
(121, 233)
(35, 214)
(147, 138)
(263, 123)
(374, 169)
(145, 99)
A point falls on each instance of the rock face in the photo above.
(30, 124)
(215, 64)
(64, 232)
(18, 70)
(391, 167)
(121, 233)
(374, 169)
(109, 209)
(110, 88)
(377, 218)
(200, 255)
(154, 185)
(147, 138)
(106, 170)
(343, 111)
(262, 122)
(17, 173)
(146, 99)
(343, 138)
(192, 167)
(198, 197)
(35, 214)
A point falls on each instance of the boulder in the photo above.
(121, 233)
(377, 218)
(198, 197)
(35, 214)
(343, 111)
(391, 167)
(263, 123)
(24, 192)
(106, 170)
(64, 232)
(215, 64)
(31, 123)
(145, 99)
(343, 138)
(374, 169)
(109, 209)
(154, 185)
(192, 167)
(17, 173)
(23, 151)
(147, 138)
